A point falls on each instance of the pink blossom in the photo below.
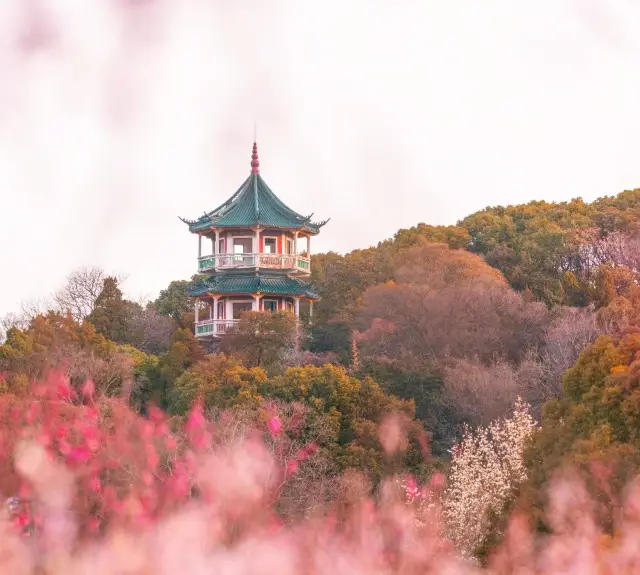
(94, 484)
(79, 454)
(275, 426)
(196, 418)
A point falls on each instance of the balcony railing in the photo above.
(269, 261)
(214, 326)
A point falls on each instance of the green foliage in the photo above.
(219, 382)
(262, 339)
(426, 391)
(55, 340)
(350, 409)
(595, 428)
(30, 351)
(174, 302)
(111, 311)
(341, 282)
(537, 244)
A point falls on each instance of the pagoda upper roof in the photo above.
(254, 204)
(252, 284)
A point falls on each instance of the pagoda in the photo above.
(254, 255)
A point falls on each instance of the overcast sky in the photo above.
(118, 116)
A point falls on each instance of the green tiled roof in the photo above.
(254, 204)
(251, 284)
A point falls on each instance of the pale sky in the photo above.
(118, 116)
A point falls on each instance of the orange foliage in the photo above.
(438, 266)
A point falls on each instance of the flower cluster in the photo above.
(487, 465)
(126, 468)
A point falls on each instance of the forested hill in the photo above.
(465, 318)
(567, 253)
(448, 327)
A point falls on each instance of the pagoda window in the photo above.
(270, 245)
(270, 305)
(221, 246)
(242, 245)
(240, 307)
(206, 249)
(288, 305)
(289, 246)
(242, 251)
(221, 306)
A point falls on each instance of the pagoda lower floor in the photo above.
(215, 315)
(220, 301)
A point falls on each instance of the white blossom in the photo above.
(487, 466)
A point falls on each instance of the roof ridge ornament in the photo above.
(255, 163)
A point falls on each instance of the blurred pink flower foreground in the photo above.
(94, 488)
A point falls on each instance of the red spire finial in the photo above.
(255, 164)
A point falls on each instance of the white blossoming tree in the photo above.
(486, 468)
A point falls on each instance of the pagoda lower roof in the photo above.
(252, 284)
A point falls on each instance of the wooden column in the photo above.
(257, 250)
(310, 311)
(199, 246)
(214, 309)
(197, 312)
(216, 251)
(297, 306)
(295, 244)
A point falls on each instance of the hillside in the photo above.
(446, 327)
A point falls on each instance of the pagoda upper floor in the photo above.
(254, 229)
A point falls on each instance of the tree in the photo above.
(341, 281)
(57, 341)
(174, 301)
(438, 267)
(593, 429)
(149, 330)
(262, 339)
(29, 309)
(455, 237)
(11, 320)
(111, 312)
(571, 331)
(220, 382)
(418, 325)
(487, 467)
(483, 392)
(426, 389)
(79, 294)
(350, 408)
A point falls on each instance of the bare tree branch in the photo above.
(78, 295)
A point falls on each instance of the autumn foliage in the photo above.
(379, 437)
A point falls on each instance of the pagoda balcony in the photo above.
(264, 260)
(214, 327)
